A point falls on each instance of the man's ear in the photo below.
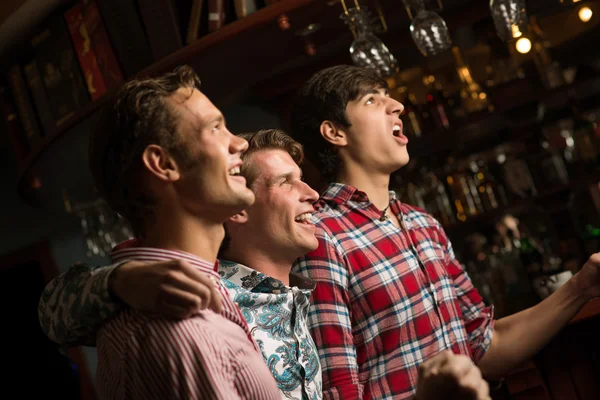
(239, 218)
(333, 134)
(160, 163)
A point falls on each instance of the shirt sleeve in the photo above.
(479, 319)
(329, 319)
(175, 361)
(75, 304)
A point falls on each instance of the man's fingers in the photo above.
(186, 299)
(196, 282)
(215, 301)
(193, 273)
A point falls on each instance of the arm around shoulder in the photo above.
(74, 304)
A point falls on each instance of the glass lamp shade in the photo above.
(430, 33)
(510, 18)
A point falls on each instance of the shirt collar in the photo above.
(340, 193)
(251, 280)
(129, 250)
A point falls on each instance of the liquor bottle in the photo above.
(436, 104)
(518, 179)
(473, 97)
(520, 293)
(550, 71)
(491, 192)
(586, 144)
(460, 193)
(584, 213)
(437, 200)
(551, 170)
(530, 255)
(412, 116)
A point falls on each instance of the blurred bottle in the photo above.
(551, 170)
(437, 107)
(550, 71)
(490, 191)
(584, 212)
(518, 179)
(473, 97)
(560, 138)
(519, 288)
(411, 116)
(586, 143)
(437, 200)
(461, 193)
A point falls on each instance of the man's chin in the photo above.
(245, 197)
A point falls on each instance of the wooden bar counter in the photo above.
(568, 368)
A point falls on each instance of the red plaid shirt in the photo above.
(387, 299)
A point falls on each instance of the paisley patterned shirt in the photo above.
(276, 315)
(74, 306)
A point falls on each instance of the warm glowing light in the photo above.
(515, 31)
(523, 45)
(585, 14)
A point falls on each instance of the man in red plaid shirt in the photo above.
(390, 292)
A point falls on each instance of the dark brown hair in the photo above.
(138, 117)
(324, 97)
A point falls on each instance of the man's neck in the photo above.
(201, 238)
(259, 261)
(375, 185)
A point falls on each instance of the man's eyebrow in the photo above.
(277, 178)
(218, 118)
(374, 90)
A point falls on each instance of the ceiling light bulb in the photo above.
(523, 45)
(585, 14)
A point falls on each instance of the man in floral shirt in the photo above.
(268, 236)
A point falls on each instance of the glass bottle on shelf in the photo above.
(518, 179)
(411, 116)
(473, 98)
(584, 212)
(491, 192)
(586, 144)
(436, 198)
(560, 138)
(551, 73)
(437, 106)
(462, 199)
(518, 287)
(551, 170)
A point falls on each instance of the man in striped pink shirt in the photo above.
(163, 158)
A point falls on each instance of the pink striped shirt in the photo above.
(208, 356)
